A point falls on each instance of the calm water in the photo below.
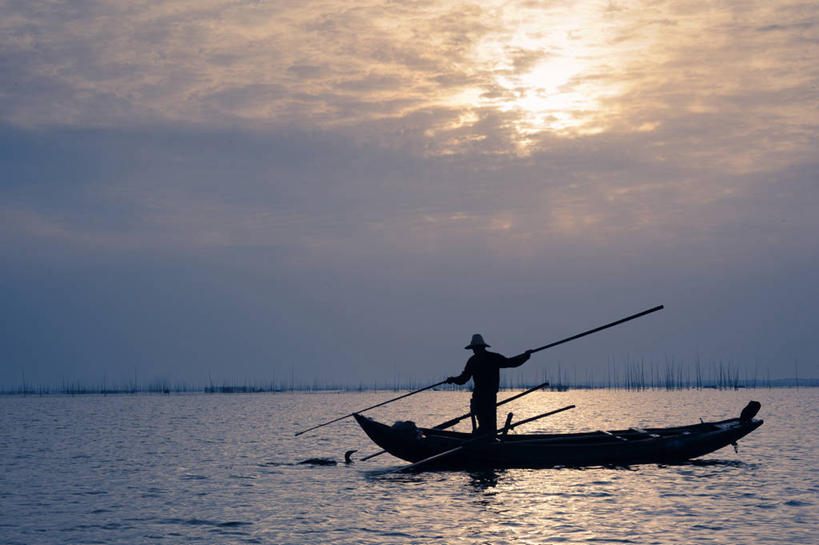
(220, 469)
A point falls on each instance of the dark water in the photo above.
(220, 469)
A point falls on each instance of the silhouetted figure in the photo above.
(484, 370)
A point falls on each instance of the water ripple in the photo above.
(198, 469)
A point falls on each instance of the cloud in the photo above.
(269, 241)
(376, 174)
(183, 190)
(545, 69)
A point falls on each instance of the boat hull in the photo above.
(601, 448)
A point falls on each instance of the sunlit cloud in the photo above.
(500, 73)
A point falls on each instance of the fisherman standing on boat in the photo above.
(484, 370)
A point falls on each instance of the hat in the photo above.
(477, 340)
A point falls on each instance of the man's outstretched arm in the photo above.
(516, 361)
(462, 378)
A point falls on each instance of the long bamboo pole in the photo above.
(371, 407)
(596, 329)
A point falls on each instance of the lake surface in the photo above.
(222, 469)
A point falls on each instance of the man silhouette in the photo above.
(483, 367)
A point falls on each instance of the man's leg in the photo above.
(487, 418)
(473, 411)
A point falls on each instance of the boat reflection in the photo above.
(483, 481)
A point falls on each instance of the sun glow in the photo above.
(495, 77)
(545, 74)
(541, 99)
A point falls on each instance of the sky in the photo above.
(344, 192)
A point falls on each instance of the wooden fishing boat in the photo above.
(441, 448)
